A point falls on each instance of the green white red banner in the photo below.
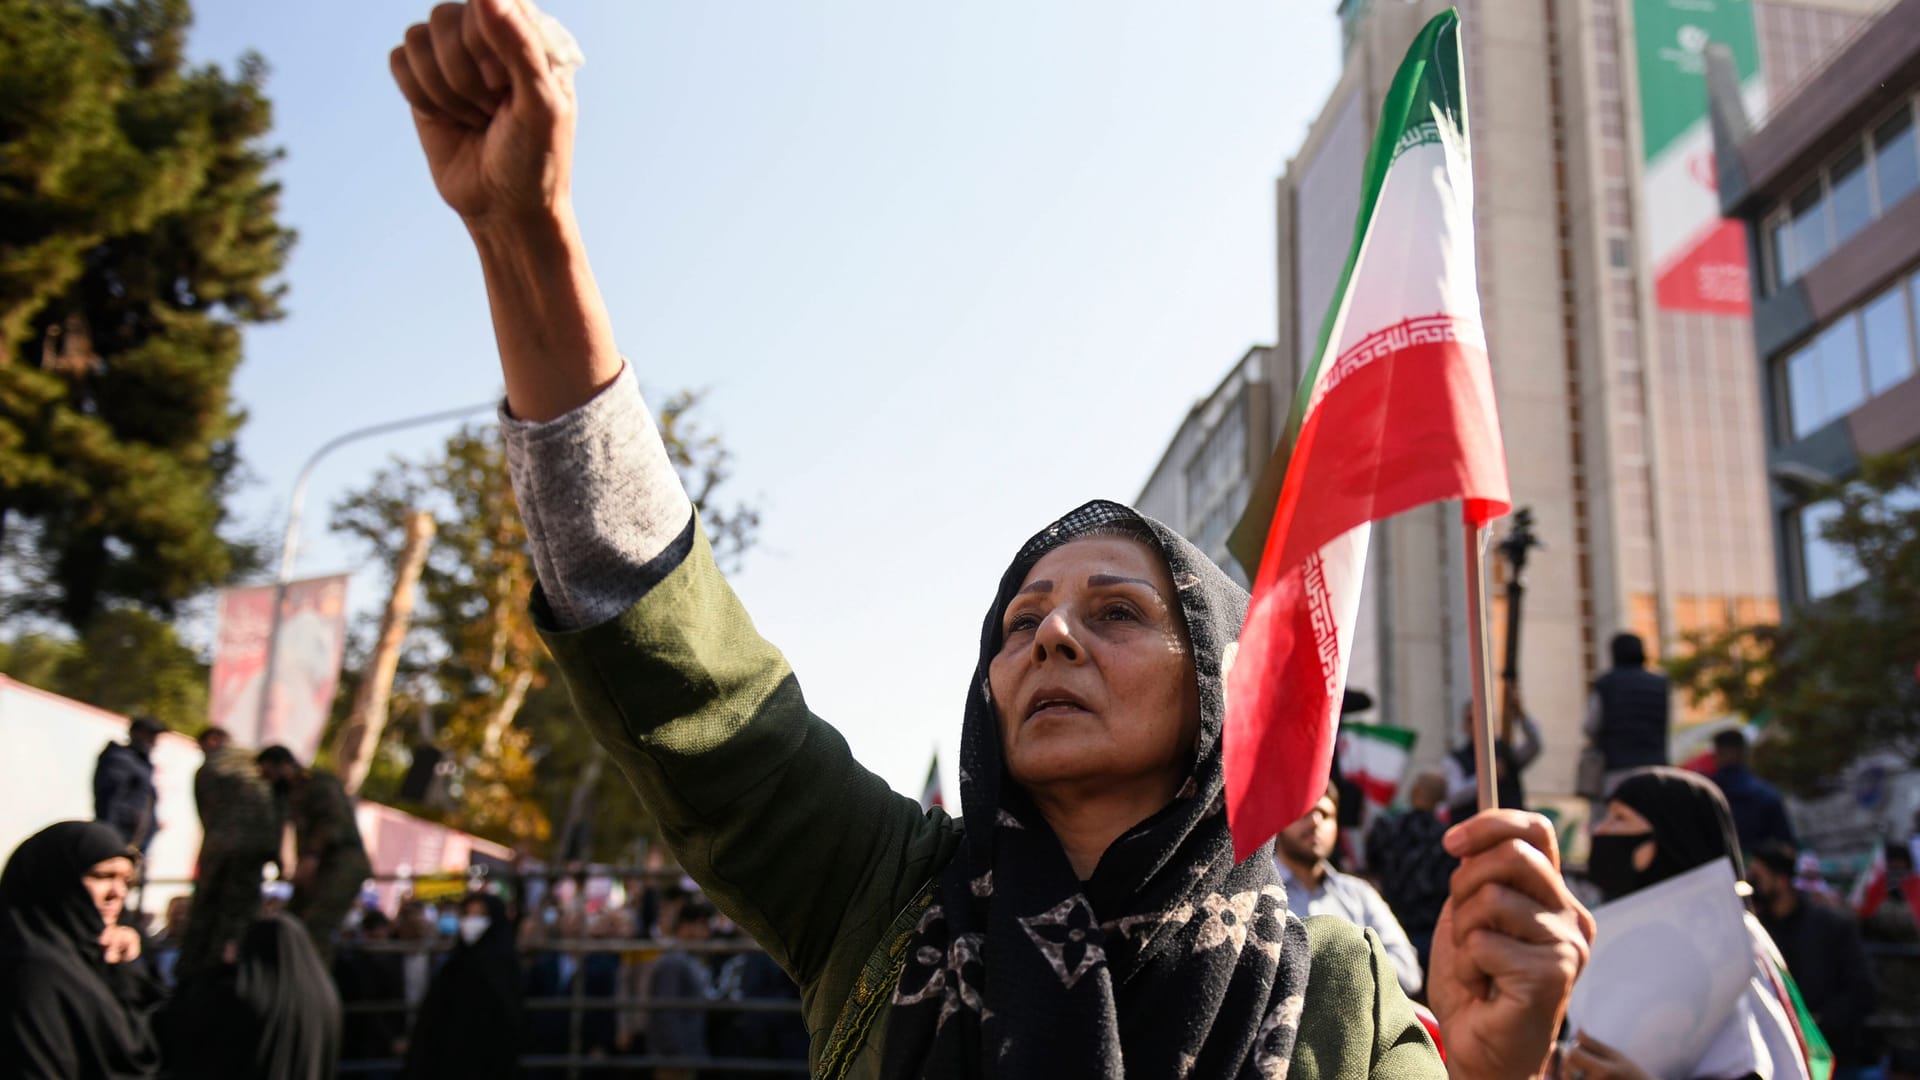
(1698, 259)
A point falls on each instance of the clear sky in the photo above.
(947, 271)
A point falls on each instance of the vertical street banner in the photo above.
(1698, 258)
(306, 667)
(1396, 410)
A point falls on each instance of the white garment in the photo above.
(1759, 1038)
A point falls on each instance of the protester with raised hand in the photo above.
(1089, 917)
(71, 1008)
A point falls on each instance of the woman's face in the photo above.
(108, 881)
(1094, 681)
(1624, 820)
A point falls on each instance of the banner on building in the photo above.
(1698, 258)
(306, 666)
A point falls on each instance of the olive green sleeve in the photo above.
(761, 800)
(1357, 1024)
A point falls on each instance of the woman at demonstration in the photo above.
(1659, 824)
(470, 1023)
(272, 1013)
(72, 1006)
(1086, 916)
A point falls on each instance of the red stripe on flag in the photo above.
(1413, 426)
(1378, 789)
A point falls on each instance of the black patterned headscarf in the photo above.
(1170, 961)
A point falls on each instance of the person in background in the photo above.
(1510, 759)
(163, 949)
(369, 976)
(332, 862)
(769, 1036)
(1405, 854)
(1811, 880)
(241, 834)
(271, 1012)
(1821, 945)
(1759, 814)
(1628, 712)
(681, 1033)
(472, 1021)
(123, 792)
(71, 1007)
(1659, 823)
(1894, 928)
(600, 971)
(1314, 887)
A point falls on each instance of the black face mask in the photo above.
(1610, 864)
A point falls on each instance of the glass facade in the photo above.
(1874, 172)
(1895, 165)
(1862, 354)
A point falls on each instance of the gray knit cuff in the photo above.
(601, 502)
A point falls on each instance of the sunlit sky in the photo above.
(946, 270)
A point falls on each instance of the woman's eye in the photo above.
(1118, 612)
(1026, 620)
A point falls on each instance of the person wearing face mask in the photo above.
(1659, 823)
(71, 1006)
(470, 1024)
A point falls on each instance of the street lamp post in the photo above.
(290, 543)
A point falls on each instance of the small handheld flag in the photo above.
(1396, 410)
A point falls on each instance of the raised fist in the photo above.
(493, 102)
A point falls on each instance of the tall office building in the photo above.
(1617, 316)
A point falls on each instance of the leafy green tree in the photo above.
(138, 233)
(127, 662)
(473, 662)
(1839, 678)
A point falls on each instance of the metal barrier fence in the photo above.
(578, 1058)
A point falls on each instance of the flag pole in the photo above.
(1486, 769)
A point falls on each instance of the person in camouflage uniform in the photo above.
(332, 862)
(240, 835)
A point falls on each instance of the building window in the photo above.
(1825, 567)
(1811, 240)
(1862, 354)
(1824, 377)
(1849, 195)
(1896, 160)
(1871, 175)
(1889, 340)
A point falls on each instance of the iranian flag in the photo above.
(1374, 757)
(1395, 410)
(930, 794)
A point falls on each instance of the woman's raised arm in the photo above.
(494, 105)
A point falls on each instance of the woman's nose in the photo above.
(1055, 636)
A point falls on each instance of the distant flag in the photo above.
(1870, 888)
(1396, 410)
(930, 795)
(1374, 758)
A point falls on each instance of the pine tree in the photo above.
(138, 233)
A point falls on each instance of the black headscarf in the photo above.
(64, 1011)
(272, 1015)
(470, 1023)
(1170, 961)
(1692, 825)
